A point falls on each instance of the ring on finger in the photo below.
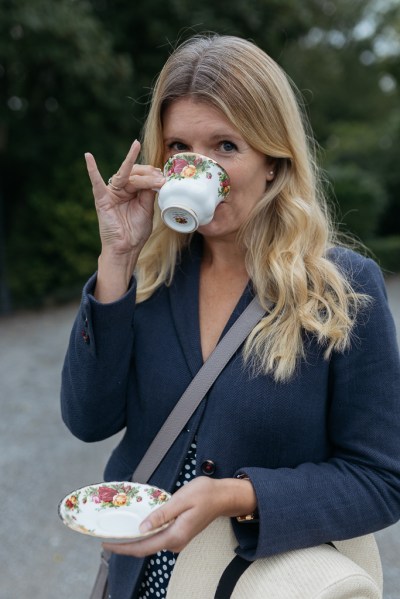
(113, 187)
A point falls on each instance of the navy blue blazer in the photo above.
(322, 450)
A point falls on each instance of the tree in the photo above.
(62, 93)
(349, 70)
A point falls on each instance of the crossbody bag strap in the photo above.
(197, 389)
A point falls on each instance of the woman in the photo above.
(309, 411)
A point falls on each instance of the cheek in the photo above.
(248, 185)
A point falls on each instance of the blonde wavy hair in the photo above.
(288, 233)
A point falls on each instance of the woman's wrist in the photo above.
(113, 276)
(238, 497)
(247, 516)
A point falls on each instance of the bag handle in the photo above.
(197, 389)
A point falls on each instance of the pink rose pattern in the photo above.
(186, 166)
(114, 496)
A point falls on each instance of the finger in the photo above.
(137, 182)
(176, 506)
(96, 179)
(146, 169)
(142, 547)
(120, 179)
(158, 519)
(174, 538)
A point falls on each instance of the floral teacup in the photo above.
(194, 187)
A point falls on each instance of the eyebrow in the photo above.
(223, 134)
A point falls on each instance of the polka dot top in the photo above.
(159, 567)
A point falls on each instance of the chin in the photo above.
(222, 225)
(217, 229)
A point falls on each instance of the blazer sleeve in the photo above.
(96, 367)
(356, 490)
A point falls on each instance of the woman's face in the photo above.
(190, 126)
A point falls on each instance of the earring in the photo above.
(271, 172)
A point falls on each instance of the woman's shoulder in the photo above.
(347, 258)
(362, 272)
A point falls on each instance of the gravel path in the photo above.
(41, 462)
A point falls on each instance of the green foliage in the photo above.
(56, 240)
(348, 70)
(75, 76)
(64, 92)
(386, 251)
(357, 181)
(361, 199)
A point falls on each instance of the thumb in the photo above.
(158, 518)
(96, 179)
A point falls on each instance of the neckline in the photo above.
(184, 301)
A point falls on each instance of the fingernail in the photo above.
(145, 526)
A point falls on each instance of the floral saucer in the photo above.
(112, 511)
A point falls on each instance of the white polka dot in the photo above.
(156, 579)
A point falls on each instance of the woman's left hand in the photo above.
(191, 509)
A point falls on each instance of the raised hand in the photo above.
(125, 208)
(125, 205)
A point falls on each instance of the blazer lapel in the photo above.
(184, 301)
(243, 302)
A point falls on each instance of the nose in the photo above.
(201, 150)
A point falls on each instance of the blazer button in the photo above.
(208, 467)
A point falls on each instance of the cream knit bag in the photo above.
(350, 570)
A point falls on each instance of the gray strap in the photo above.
(197, 389)
(100, 589)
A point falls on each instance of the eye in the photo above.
(228, 146)
(177, 146)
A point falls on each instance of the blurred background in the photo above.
(76, 76)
